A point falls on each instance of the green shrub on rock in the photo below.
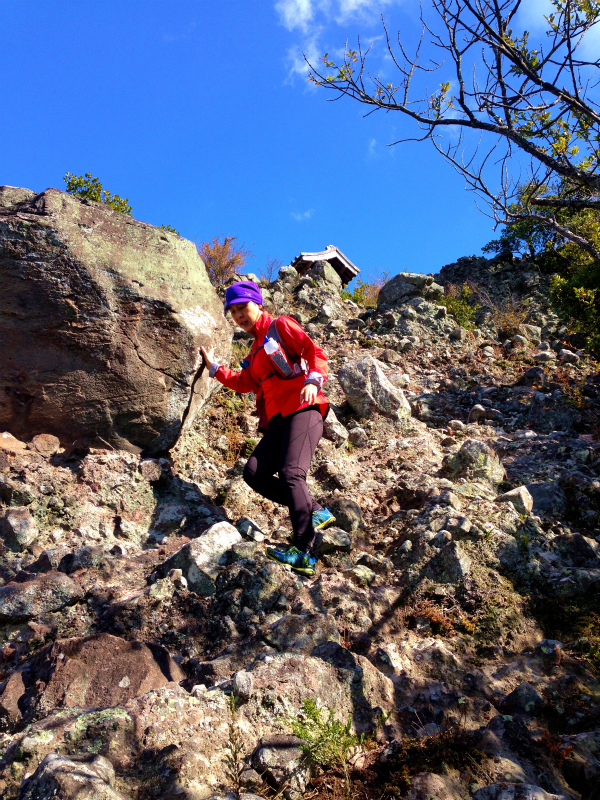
(89, 188)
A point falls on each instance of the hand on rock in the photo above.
(208, 356)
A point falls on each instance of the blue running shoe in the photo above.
(305, 565)
(294, 558)
(322, 518)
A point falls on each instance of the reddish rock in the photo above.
(46, 444)
(151, 470)
(100, 671)
(9, 444)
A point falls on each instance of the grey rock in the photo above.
(520, 498)
(76, 778)
(577, 551)
(368, 390)
(515, 791)
(476, 461)
(568, 357)
(450, 565)
(112, 313)
(200, 559)
(534, 376)
(358, 437)
(477, 413)
(85, 558)
(18, 529)
(362, 575)
(243, 684)
(333, 430)
(548, 497)
(288, 274)
(333, 540)
(250, 529)
(281, 760)
(524, 698)
(347, 514)
(531, 332)
(401, 286)
(49, 592)
(301, 633)
(322, 271)
(458, 334)
(544, 357)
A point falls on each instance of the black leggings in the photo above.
(287, 448)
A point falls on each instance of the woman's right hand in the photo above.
(208, 357)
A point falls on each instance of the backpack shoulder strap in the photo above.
(273, 333)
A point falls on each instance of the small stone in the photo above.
(406, 547)
(18, 529)
(441, 538)
(347, 514)
(544, 357)
(520, 498)
(455, 425)
(151, 470)
(333, 540)
(243, 684)
(520, 341)
(524, 698)
(449, 498)
(477, 413)
(458, 334)
(568, 357)
(359, 437)
(250, 529)
(333, 430)
(362, 575)
(222, 444)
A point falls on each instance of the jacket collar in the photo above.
(261, 326)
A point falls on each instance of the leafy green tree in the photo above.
(89, 188)
(575, 285)
(536, 101)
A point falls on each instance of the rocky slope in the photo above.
(453, 618)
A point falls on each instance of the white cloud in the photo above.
(297, 62)
(295, 13)
(311, 17)
(302, 216)
(372, 148)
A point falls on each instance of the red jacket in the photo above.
(275, 394)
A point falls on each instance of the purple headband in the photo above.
(243, 292)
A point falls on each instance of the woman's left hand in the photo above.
(308, 393)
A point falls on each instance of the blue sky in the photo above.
(199, 113)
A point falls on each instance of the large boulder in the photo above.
(401, 286)
(367, 390)
(101, 320)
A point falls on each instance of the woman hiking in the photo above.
(286, 370)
